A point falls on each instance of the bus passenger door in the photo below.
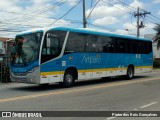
(50, 56)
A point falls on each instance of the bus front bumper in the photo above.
(32, 78)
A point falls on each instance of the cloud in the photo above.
(41, 13)
(137, 4)
(130, 26)
(22, 15)
(112, 12)
(103, 11)
(156, 1)
(148, 28)
(132, 29)
(69, 2)
(10, 5)
(122, 32)
(106, 21)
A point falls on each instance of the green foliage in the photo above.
(157, 29)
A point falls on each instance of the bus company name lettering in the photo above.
(91, 59)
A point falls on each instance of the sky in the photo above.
(115, 16)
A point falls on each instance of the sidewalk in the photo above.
(5, 83)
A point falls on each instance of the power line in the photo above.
(109, 28)
(66, 13)
(156, 18)
(11, 30)
(151, 19)
(117, 7)
(27, 15)
(89, 18)
(96, 25)
(37, 11)
(92, 9)
(18, 24)
(127, 5)
(32, 16)
(140, 9)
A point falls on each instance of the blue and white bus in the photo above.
(66, 55)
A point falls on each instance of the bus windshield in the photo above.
(26, 48)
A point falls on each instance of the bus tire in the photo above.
(69, 79)
(130, 73)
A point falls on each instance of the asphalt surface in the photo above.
(116, 94)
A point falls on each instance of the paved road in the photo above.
(139, 94)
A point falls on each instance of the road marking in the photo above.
(75, 90)
(110, 118)
(135, 109)
(148, 105)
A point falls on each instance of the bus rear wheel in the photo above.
(69, 79)
(130, 72)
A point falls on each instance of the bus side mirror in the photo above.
(48, 42)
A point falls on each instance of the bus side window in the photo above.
(109, 45)
(75, 43)
(94, 43)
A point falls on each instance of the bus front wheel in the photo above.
(69, 79)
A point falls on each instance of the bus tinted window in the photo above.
(109, 44)
(94, 43)
(80, 42)
(121, 45)
(148, 47)
(139, 47)
(75, 43)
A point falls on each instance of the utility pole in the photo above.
(138, 27)
(138, 15)
(84, 15)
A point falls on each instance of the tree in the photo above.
(157, 28)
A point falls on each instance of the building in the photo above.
(5, 52)
(156, 47)
(6, 45)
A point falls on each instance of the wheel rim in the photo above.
(69, 78)
(130, 73)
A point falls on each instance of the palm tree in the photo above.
(156, 40)
(157, 29)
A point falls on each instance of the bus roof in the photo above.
(97, 32)
(82, 30)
